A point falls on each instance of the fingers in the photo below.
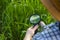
(36, 27)
(30, 27)
(42, 24)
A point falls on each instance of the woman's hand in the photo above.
(30, 32)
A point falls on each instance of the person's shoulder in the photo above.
(40, 35)
(57, 23)
(53, 24)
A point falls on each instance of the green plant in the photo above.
(15, 17)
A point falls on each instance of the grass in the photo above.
(15, 17)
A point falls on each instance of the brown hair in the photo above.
(56, 4)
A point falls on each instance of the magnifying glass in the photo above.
(35, 19)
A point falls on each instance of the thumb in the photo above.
(42, 23)
(35, 27)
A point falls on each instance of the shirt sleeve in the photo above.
(34, 37)
(38, 36)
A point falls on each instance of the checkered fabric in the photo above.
(50, 32)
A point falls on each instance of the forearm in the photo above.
(28, 38)
(30, 32)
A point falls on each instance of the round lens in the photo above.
(34, 19)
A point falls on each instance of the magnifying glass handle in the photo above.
(36, 29)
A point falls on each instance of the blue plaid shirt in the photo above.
(50, 32)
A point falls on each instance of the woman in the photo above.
(52, 33)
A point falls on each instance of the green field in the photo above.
(14, 17)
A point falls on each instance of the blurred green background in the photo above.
(14, 17)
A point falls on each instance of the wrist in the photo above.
(28, 37)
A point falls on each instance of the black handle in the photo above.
(36, 29)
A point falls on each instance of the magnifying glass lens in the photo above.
(34, 19)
